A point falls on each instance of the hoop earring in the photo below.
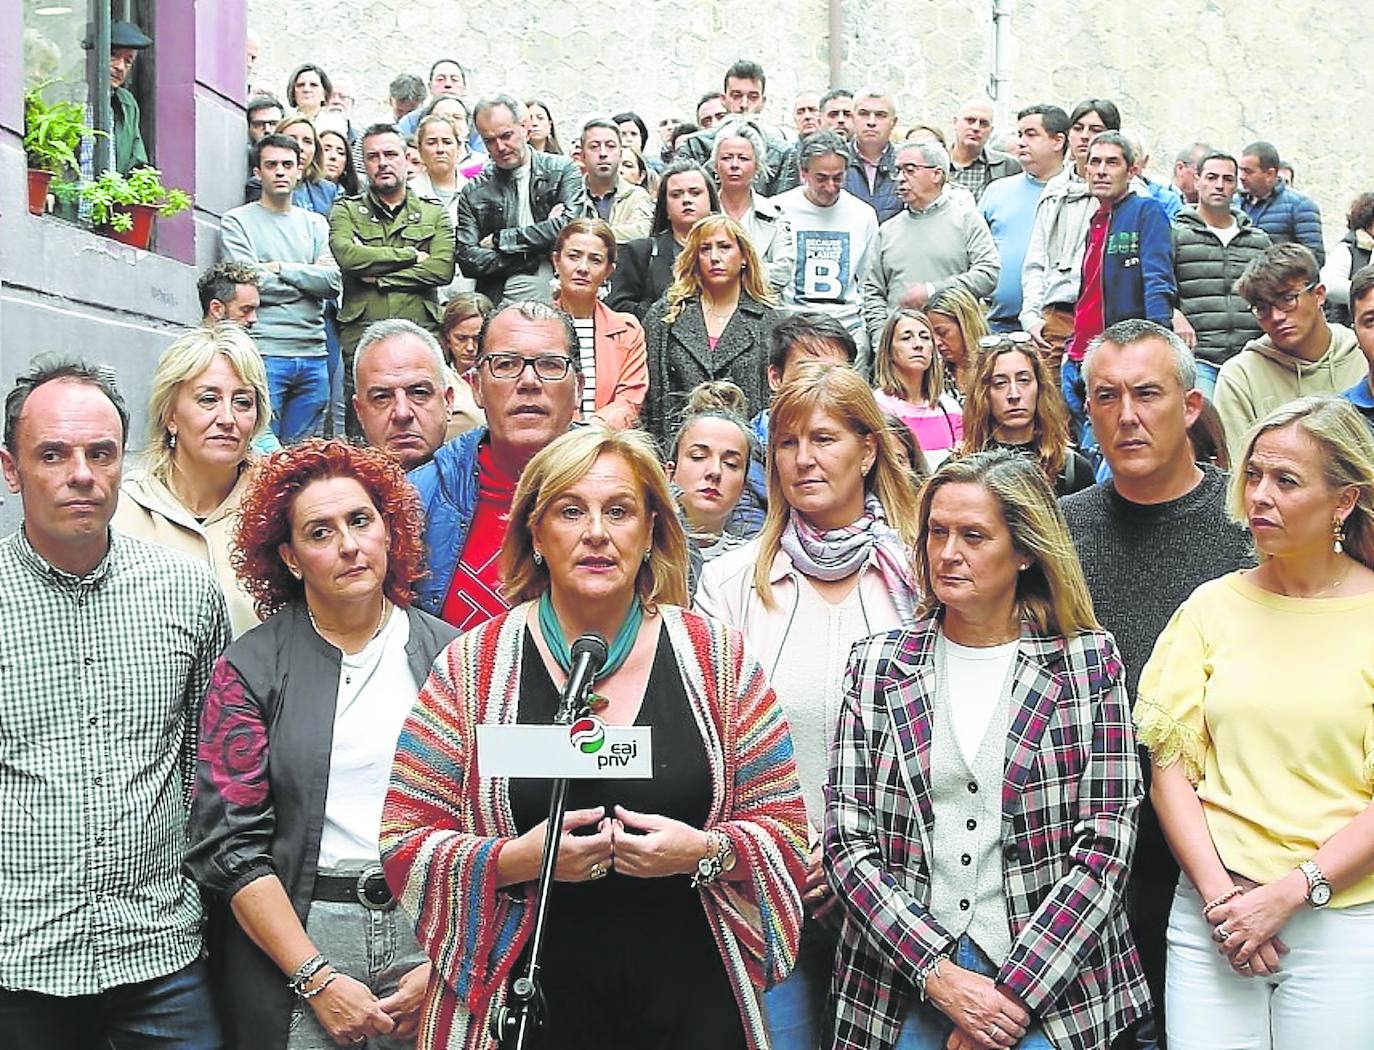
(1338, 536)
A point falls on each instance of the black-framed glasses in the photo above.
(911, 169)
(1285, 303)
(548, 367)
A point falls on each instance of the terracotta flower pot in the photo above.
(141, 232)
(38, 190)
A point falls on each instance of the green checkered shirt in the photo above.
(101, 679)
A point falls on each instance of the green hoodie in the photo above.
(1262, 377)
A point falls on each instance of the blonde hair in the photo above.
(687, 278)
(662, 578)
(190, 354)
(1347, 458)
(841, 392)
(885, 374)
(970, 317)
(1052, 593)
(315, 172)
(1050, 430)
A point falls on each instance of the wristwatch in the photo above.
(1318, 889)
(720, 858)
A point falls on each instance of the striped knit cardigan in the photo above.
(443, 827)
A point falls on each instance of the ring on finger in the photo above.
(1222, 934)
(598, 871)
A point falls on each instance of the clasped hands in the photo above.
(1246, 928)
(986, 1015)
(643, 845)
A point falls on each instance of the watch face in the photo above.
(1321, 895)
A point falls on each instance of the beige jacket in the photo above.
(149, 510)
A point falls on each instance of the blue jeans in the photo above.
(798, 1011)
(1075, 398)
(926, 1028)
(165, 1013)
(1207, 378)
(299, 387)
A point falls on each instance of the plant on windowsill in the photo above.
(52, 135)
(123, 206)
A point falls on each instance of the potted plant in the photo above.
(52, 135)
(123, 206)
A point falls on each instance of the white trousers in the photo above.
(1321, 999)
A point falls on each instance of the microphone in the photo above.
(589, 653)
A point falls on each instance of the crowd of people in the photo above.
(1071, 474)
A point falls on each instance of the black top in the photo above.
(1076, 475)
(680, 788)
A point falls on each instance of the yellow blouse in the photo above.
(1268, 702)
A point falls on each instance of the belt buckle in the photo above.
(373, 892)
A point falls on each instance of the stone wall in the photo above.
(1180, 69)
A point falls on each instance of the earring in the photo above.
(647, 555)
(538, 558)
(294, 571)
(171, 439)
(1025, 566)
(1338, 536)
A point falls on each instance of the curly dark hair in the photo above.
(265, 518)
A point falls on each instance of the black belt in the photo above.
(368, 889)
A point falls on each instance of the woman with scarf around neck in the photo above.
(830, 567)
(675, 899)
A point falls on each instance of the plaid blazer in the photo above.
(1070, 794)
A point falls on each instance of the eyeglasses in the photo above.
(263, 125)
(1285, 303)
(550, 368)
(1016, 340)
(912, 169)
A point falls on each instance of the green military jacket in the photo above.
(377, 254)
(129, 151)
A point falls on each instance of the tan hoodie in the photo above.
(1262, 377)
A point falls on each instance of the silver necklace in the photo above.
(381, 619)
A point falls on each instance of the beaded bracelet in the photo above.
(305, 971)
(1231, 894)
(316, 991)
(926, 972)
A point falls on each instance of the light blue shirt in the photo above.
(1008, 205)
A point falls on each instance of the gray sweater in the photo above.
(291, 318)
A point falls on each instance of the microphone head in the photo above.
(594, 647)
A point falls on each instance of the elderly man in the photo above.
(108, 646)
(510, 215)
(936, 242)
(395, 250)
(405, 398)
(1146, 539)
(529, 381)
(975, 164)
(127, 150)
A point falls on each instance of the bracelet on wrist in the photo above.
(926, 972)
(305, 971)
(1217, 902)
(322, 986)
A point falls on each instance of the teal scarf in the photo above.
(623, 642)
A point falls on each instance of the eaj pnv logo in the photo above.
(587, 735)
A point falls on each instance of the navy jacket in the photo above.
(884, 198)
(447, 485)
(1288, 217)
(1138, 267)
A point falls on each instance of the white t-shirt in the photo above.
(1226, 235)
(376, 693)
(975, 680)
(833, 246)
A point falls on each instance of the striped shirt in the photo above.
(586, 348)
(101, 679)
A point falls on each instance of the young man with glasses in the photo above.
(529, 382)
(1300, 353)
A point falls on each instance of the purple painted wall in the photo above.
(221, 26)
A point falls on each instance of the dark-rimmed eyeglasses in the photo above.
(1285, 303)
(548, 367)
(911, 169)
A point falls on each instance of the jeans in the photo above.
(377, 948)
(926, 1028)
(165, 1013)
(797, 1010)
(1322, 997)
(1207, 378)
(299, 388)
(1075, 398)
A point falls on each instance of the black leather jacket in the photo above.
(487, 207)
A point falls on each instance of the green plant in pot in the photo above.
(52, 135)
(126, 203)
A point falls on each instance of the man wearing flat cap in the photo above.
(126, 41)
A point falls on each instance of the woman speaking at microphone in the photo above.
(675, 898)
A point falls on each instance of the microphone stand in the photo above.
(525, 1006)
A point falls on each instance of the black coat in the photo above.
(680, 357)
(289, 677)
(643, 272)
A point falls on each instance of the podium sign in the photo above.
(586, 750)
